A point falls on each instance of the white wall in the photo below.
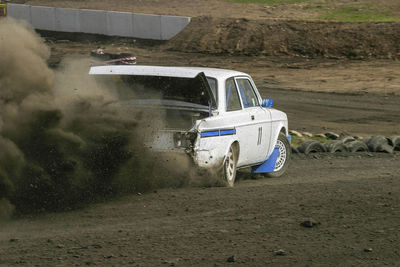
(99, 22)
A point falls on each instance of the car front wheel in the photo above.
(282, 162)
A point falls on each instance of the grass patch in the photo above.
(296, 141)
(269, 2)
(368, 11)
(356, 14)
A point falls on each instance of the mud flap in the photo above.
(269, 164)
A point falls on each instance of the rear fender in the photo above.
(236, 143)
(212, 146)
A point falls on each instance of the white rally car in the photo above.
(216, 116)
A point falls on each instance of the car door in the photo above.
(256, 133)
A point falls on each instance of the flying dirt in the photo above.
(350, 202)
(61, 143)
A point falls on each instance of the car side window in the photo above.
(247, 94)
(213, 85)
(232, 96)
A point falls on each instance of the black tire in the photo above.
(394, 141)
(294, 150)
(311, 146)
(386, 148)
(335, 146)
(356, 146)
(332, 136)
(229, 166)
(366, 140)
(285, 153)
(347, 138)
(375, 143)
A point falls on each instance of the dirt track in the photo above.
(355, 198)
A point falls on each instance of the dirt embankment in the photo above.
(289, 38)
(255, 29)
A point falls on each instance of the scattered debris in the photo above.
(113, 59)
(231, 259)
(280, 252)
(172, 262)
(309, 223)
(332, 135)
(295, 133)
(77, 248)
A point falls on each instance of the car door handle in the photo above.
(252, 117)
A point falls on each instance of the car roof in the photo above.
(180, 72)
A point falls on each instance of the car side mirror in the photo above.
(267, 103)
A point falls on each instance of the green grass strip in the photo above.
(353, 14)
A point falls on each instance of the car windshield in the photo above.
(157, 87)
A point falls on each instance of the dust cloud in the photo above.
(62, 144)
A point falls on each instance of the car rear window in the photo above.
(156, 87)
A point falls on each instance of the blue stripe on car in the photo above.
(218, 133)
(210, 133)
(228, 132)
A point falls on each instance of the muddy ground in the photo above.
(354, 199)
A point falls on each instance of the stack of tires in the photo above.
(350, 144)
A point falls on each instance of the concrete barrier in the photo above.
(67, 20)
(100, 22)
(172, 25)
(22, 12)
(147, 26)
(119, 24)
(93, 21)
(43, 18)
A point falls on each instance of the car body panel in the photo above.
(254, 129)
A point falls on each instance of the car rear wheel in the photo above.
(229, 168)
(282, 162)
